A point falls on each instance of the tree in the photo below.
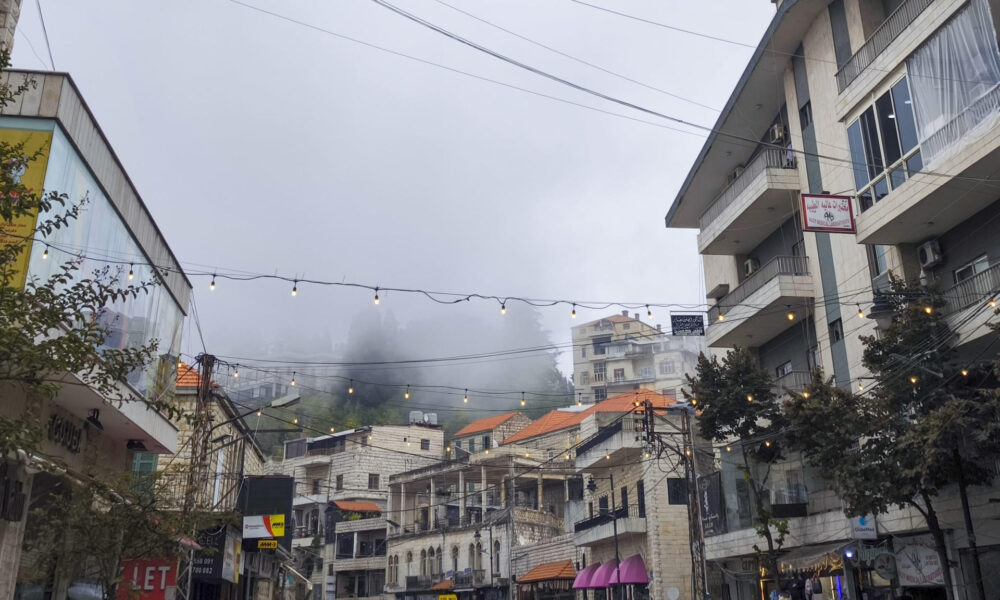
(737, 405)
(926, 423)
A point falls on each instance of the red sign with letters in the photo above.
(150, 578)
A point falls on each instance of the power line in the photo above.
(45, 33)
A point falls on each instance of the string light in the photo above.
(465, 398)
(965, 372)
(406, 394)
(527, 454)
(579, 399)
(447, 449)
(211, 286)
(567, 456)
(45, 255)
(767, 443)
(805, 394)
(861, 313)
(649, 313)
(993, 303)
(694, 402)
(376, 297)
(791, 316)
(722, 317)
(861, 387)
(350, 387)
(573, 314)
(259, 412)
(331, 430)
(687, 451)
(295, 287)
(503, 308)
(729, 448)
(749, 397)
(522, 399)
(607, 456)
(913, 380)
(647, 454)
(131, 273)
(293, 378)
(928, 309)
(295, 420)
(236, 372)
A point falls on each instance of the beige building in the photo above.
(489, 432)
(894, 104)
(620, 353)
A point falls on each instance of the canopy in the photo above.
(606, 575)
(582, 581)
(549, 571)
(809, 558)
(633, 570)
(357, 506)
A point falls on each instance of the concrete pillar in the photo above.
(566, 490)
(10, 10)
(538, 503)
(482, 471)
(461, 497)
(354, 553)
(431, 509)
(402, 506)
(503, 493)
(11, 537)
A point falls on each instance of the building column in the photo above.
(10, 10)
(503, 493)
(431, 509)
(538, 501)
(354, 553)
(461, 497)
(566, 489)
(482, 471)
(402, 507)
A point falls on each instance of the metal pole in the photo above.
(697, 505)
(614, 526)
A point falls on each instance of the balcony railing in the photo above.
(779, 265)
(953, 131)
(795, 381)
(772, 158)
(601, 519)
(978, 288)
(602, 434)
(889, 30)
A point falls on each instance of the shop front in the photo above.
(550, 581)
(606, 581)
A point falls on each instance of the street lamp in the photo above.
(592, 487)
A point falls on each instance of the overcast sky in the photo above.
(265, 146)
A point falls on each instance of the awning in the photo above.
(633, 570)
(549, 571)
(357, 506)
(606, 575)
(811, 558)
(299, 576)
(442, 586)
(582, 581)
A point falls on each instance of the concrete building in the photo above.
(619, 354)
(342, 487)
(88, 434)
(895, 104)
(489, 432)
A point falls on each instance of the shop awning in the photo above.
(582, 581)
(633, 570)
(296, 575)
(442, 586)
(549, 571)
(811, 558)
(357, 506)
(606, 575)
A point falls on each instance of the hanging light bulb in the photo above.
(607, 456)
(259, 412)
(447, 449)
(861, 313)
(527, 454)
(376, 297)
(293, 378)
(295, 420)
(466, 397)
(503, 308)
(131, 273)
(567, 456)
(295, 287)
(211, 286)
(913, 380)
(861, 387)
(649, 313)
(729, 448)
(749, 397)
(236, 372)
(573, 314)
(791, 316)
(647, 453)
(350, 387)
(805, 394)
(522, 399)
(965, 372)
(993, 303)
(768, 443)
(722, 317)
(694, 402)
(331, 430)
(406, 394)
(928, 309)
(45, 255)
(687, 451)
(579, 399)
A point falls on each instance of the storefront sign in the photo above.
(863, 528)
(220, 556)
(149, 578)
(713, 518)
(687, 325)
(917, 563)
(13, 500)
(267, 544)
(263, 526)
(65, 432)
(832, 214)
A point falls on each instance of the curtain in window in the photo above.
(954, 78)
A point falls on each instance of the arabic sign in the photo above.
(918, 564)
(149, 578)
(687, 325)
(713, 518)
(832, 214)
(263, 526)
(863, 528)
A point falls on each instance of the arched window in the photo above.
(479, 556)
(430, 561)
(440, 561)
(454, 559)
(472, 556)
(423, 563)
(496, 556)
(409, 563)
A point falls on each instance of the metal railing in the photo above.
(953, 130)
(601, 519)
(978, 288)
(779, 265)
(795, 381)
(770, 158)
(888, 31)
(602, 434)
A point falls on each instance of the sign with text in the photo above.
(918, 564)
(831, 214)
(263, 526)
(219, 556)
(267, 544)
(863, 528)
(687, 325)
(713, 518)
(148, 579)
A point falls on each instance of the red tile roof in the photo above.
(549, 571)
(558, 420)
(357, 506)
(487, 424)
(188, 375)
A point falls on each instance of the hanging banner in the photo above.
(713, 517)
(687, 325)
(830, 214)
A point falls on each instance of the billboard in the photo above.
(31, 174)
(263, 526)
(270, 496)
(830, 214)
(687, 325)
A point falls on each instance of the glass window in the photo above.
(640, 497)
(619, 374)
(836, 331)
(904, 116)
(667, 367)
(858, 157)
(340, 482)
(971, 269)
(887, 125)
(805, 115)
(600, 394)
(869, 135)
(425, 444)
(677, 490)
(783, 369)
(373, 481)
(878, 259)
(486, 441)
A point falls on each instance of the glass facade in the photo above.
(102, 238)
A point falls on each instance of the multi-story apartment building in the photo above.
(893, 103)
(87, 434)
(619, 354)
(342, 486)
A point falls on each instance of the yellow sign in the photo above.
(32, 176)
(267, 544)
(448, 597)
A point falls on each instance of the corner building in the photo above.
(894, 103)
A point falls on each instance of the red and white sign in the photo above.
(918, 564)
(832, 214)
(263, 526)
(151, 578)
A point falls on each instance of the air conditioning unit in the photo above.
(929, 254)
(750, 266)
(776, 135)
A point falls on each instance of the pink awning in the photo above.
(582, 581)
(606, 575)
(634, 570)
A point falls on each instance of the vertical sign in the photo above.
(831, 214)
(713, 518)
(31, 174)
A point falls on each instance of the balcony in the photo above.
(617, 441)
(748, 210)
(967, 309)
(373, 524)
(794, 381)
(888, 31)
(629, 382)
(360, 563)
(601, 528)
(757, 310)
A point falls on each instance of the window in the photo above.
(600, 394)
(624, 504)
(472, 556)
(590, 510)
(373, 481)
(316, 486)
(883, 144)
(602, 505)
(619, 374)
(599, 371)
(472, 446)
(486, 442)
(601, 344)
(423, 563)
(812, 357)
(677, 490)
(971, 269)
(496, 557)
(878, 260)
(666, 367)
(454, 559)
(806, 115)
(425, 444)
(626, 326)
(645, 371)
(458, 443)
(836, 331)
(340, 482)
(585, 378)
(640, 498)
(583, 352)
(783, 369)
(439, 565)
